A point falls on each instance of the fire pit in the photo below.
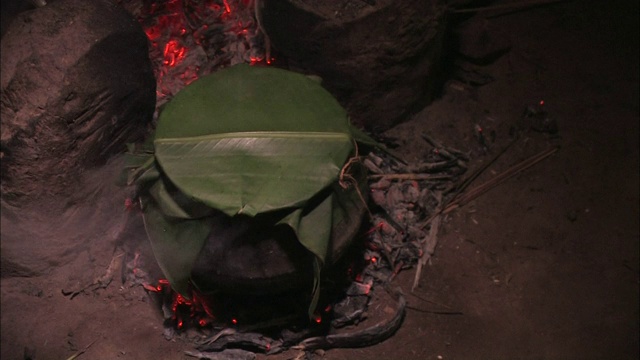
(252, 269)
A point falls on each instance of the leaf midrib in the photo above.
(258, 134)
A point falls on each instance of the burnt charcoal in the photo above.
(231, 339)
(382, 184)
(349, 311)
(378, 197)
(395, 196)
(411, 192)
(372, 166)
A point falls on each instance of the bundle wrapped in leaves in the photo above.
(253, 142)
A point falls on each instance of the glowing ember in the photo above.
(173, 53)
(189, 39)
(195, 311)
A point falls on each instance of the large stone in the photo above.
(40, 236)
(76, 85)
(381, 59)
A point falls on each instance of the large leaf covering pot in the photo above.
(251, 185)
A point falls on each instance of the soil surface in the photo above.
(544, 266)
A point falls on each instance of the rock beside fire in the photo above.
(77, 84)
(381, 59)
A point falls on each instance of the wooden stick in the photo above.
(409, 176)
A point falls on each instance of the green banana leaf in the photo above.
(244, 140)
(250, 173)
(249, 140)
(175, 244)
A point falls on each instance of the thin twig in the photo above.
(521, 4)
(507, 174)
(82, 351)
(449, 153)
(429, 245)
(267, 41)
(437, 312)
(477, 173)
(461, 199)
(345, 178)
(430, 301)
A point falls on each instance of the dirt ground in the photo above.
(545, 266)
